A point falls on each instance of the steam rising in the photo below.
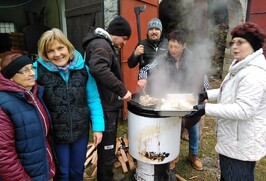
(191, 17)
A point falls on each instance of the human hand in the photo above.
(203, 96)
(200, 111)
(127, 97)
(97, 137)
(142, 83)
(139, 50)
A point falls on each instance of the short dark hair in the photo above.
(178, 35)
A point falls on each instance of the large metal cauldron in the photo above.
(154, 135)
(153, 139)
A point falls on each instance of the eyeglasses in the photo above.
(238, 43)
(25, 71)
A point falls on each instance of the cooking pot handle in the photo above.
(188, 122)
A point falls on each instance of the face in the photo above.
(154, 34)
(240, 48)
(119, 41)
(58, 54)
(25, 77)
(175, 48)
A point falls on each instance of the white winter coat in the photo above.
(241, 109)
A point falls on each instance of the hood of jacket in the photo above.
(94, 34)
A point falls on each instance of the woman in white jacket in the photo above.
(241, 106)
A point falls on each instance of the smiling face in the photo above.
(58, 53)
(154, 34)
(240, 48)
(25, 77)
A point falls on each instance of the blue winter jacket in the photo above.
(21, 123)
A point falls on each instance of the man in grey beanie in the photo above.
(154, 45)
(100, 56)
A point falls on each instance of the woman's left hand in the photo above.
(97, 137)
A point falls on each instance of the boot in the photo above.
(195, 162)
(172, 163)
(184, 134)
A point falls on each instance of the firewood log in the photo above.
(90, 151)
(180, 178)
(124, 166)
(94, 172)
(123, 154)
(131, 162)
(94, 158)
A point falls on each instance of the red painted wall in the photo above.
(127, 11)
(257, 14)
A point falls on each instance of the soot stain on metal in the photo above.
(149, 143)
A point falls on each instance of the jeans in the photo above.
(193, 133)
(71, 158)
(236, 170)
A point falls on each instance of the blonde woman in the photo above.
(72, 97)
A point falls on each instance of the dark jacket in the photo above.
(105, 68)
(25, 152)
(151, 51)
(67, 103)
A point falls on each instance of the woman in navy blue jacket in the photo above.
(25, 151)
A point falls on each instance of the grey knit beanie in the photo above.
(155, 23)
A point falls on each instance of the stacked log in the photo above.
(124, 159)
(123, 155)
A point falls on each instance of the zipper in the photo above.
(46, 131)
(69, 111)
(45, 125)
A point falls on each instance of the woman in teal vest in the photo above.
(72, 98)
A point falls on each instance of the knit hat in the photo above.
(13, 67)
(119, 26)
(155, 23)
(253, 40)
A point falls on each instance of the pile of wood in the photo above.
(124, 159)
(91, 159)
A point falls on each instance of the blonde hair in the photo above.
(48, 38)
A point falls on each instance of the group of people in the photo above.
(48, 107)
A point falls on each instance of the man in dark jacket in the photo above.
(148, 49)
(99, 46)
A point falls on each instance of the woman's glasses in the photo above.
(237, 43)
(25, 71)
